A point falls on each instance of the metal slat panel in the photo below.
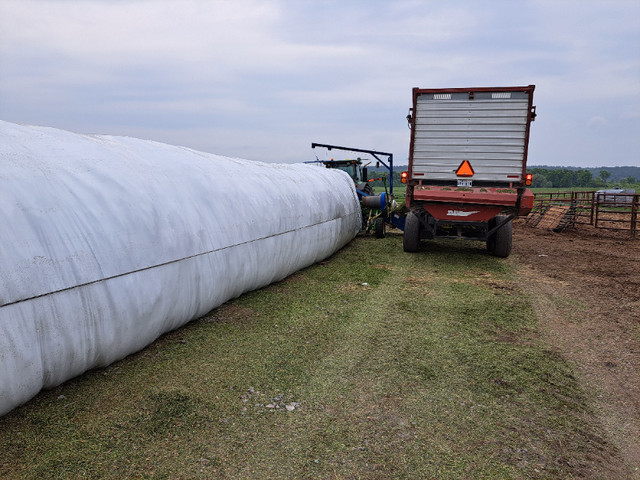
(471, 120)
(472, 114)
(458, 157)
(467, 130)
(489, 133)
(465, 133)
(441, 171)
(448, 169)
(468, 142)
(473, 104)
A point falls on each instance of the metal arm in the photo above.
(373, 153)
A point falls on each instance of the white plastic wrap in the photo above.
(108, 242)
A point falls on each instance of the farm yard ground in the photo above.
(586, 292)
(374, 363)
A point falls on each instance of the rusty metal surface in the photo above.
(603, 212)
(556, 218)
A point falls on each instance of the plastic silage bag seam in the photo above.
(115, 241)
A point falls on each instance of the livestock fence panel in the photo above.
(611, 211)
(617, 211)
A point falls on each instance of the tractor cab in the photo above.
(356, 171)
(354, 168)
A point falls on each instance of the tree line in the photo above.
(569, 178)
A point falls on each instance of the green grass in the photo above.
(395, 365)
(398, 191)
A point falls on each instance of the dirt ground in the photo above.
(586, 288)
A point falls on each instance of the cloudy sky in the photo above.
(263, 79)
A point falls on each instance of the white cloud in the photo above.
(597, 121)
(272, 76)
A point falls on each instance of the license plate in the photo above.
(464, 183)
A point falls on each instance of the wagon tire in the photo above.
(411, 238)
(380, 227)
(499, 244)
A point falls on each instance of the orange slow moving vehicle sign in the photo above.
(465, 169)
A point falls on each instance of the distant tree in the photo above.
(584, 178)
(540, 181)
(563, 177)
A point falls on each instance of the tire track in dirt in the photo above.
(585, 286)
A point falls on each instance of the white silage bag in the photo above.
(108, 242)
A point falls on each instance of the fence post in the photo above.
(634, 215)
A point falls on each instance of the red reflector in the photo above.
(465, 169)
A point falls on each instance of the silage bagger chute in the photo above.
(376, 207)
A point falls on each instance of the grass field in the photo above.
(372, 364)
(398, 191)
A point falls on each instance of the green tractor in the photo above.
(375, 208)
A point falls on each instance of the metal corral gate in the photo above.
(611, 211)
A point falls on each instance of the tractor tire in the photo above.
(365, 187)
(411, 238)
(379, 227)
(499, 244)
